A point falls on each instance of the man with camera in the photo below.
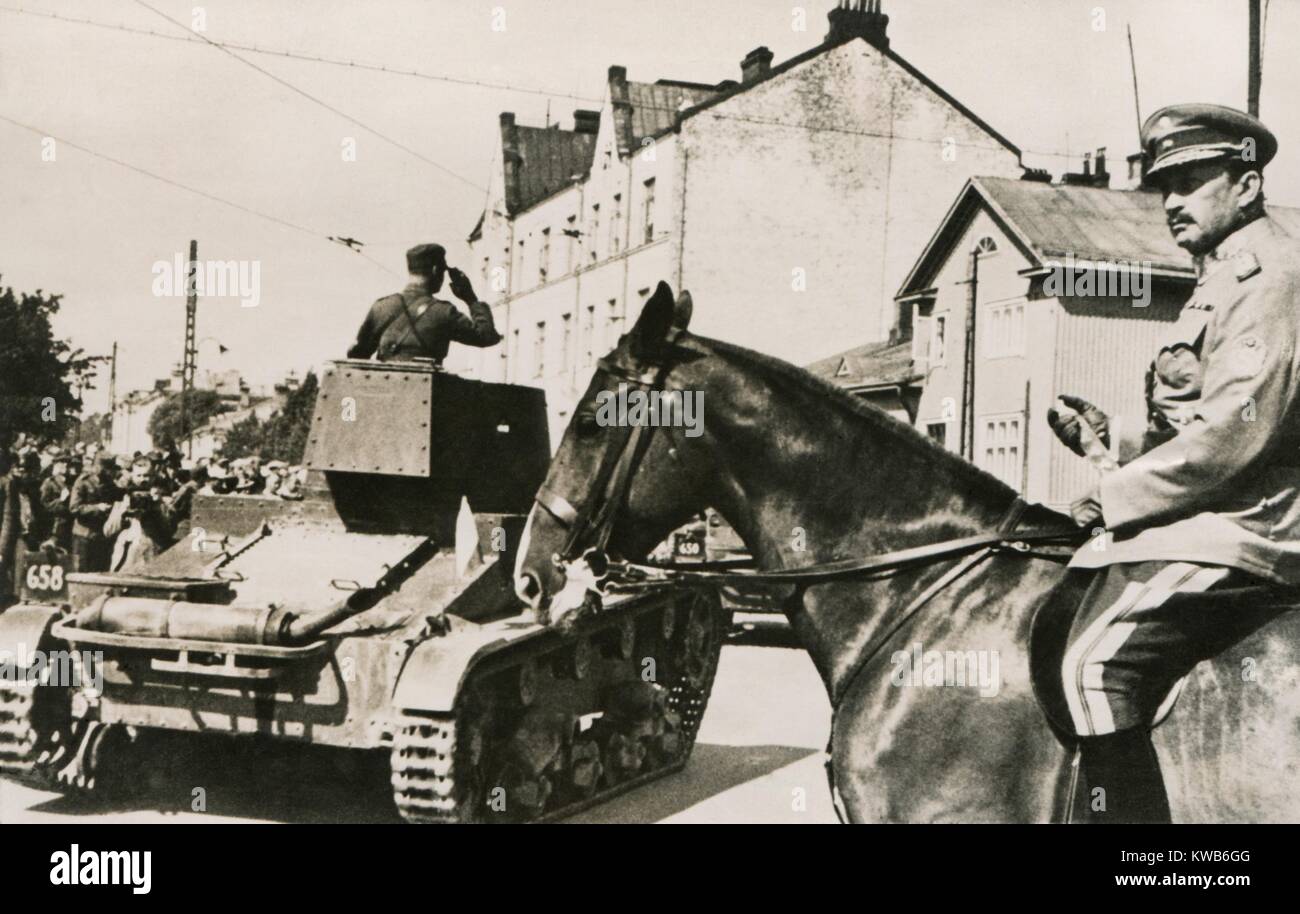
(144, 520)
(414, 325)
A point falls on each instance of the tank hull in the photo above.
(378, 614)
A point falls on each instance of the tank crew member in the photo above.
(1204, 509)
(414, 324)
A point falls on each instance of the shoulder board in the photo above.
(1245, 265)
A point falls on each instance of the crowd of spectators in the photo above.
(110, 512)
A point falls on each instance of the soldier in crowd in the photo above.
(413, 324)
(56, 503)
(1203, 513)
(93, 496)
(20, 513)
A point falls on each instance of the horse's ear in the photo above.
(657, 318)
(683, 310)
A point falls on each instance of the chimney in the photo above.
(858, 19)
(1100, 176)
(755, 65)
(586, 121)
(622, 105)
(510, 160)
(1137, 173)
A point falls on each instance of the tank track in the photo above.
(36, 736)
(504, 755)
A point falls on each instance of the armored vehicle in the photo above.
(377, 613)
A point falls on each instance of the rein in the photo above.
(596, 520)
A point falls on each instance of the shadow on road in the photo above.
(711, 771)
(306, 784)
(246, 779)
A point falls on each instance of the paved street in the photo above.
(758, 759)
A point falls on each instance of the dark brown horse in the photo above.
(936, 718)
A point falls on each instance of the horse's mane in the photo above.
(958, 467)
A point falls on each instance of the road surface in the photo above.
(758, 759)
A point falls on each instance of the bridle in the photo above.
(593, 523)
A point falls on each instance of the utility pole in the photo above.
(1137, 102)
(187, 364)
(1256, 60)
(112, 395)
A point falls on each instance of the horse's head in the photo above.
(633, 463)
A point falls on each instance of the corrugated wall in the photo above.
(1103, 348)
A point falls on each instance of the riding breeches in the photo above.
(1142, 627)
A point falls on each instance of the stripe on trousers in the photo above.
(1083, 668)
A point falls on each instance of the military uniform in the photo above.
(1203, 513)
(413, 324)
(91, 502)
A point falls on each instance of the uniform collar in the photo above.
(1245, 239)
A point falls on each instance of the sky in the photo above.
(1051, 75)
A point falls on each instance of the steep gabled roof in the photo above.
(1050, 221)
(551, 159)
(865, 367)
(721, 95)
(655, 106)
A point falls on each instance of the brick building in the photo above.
(790, 202)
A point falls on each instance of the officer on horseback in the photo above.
(1199, 524)
(413, 324)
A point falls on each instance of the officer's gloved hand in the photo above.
(460, 286)
(1067, 428)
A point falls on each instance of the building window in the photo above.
(1001, 450)
(938, 432)
(571, 243)
(938, 339)
(1004, 330)
(589, 335)
(544, 256)
(616, 226)
(986, 246)
(593, 232)
(539, 350)
(648, 220)
(613, 322)
(566, 342)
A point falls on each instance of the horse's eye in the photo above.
(587, 425)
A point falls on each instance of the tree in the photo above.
(165, 423)
(286, 431)
(41, 377)
(283, 436)
(94, 429)
(244, 439)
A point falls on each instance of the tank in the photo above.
(376, 614)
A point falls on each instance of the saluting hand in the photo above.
(460, 286)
